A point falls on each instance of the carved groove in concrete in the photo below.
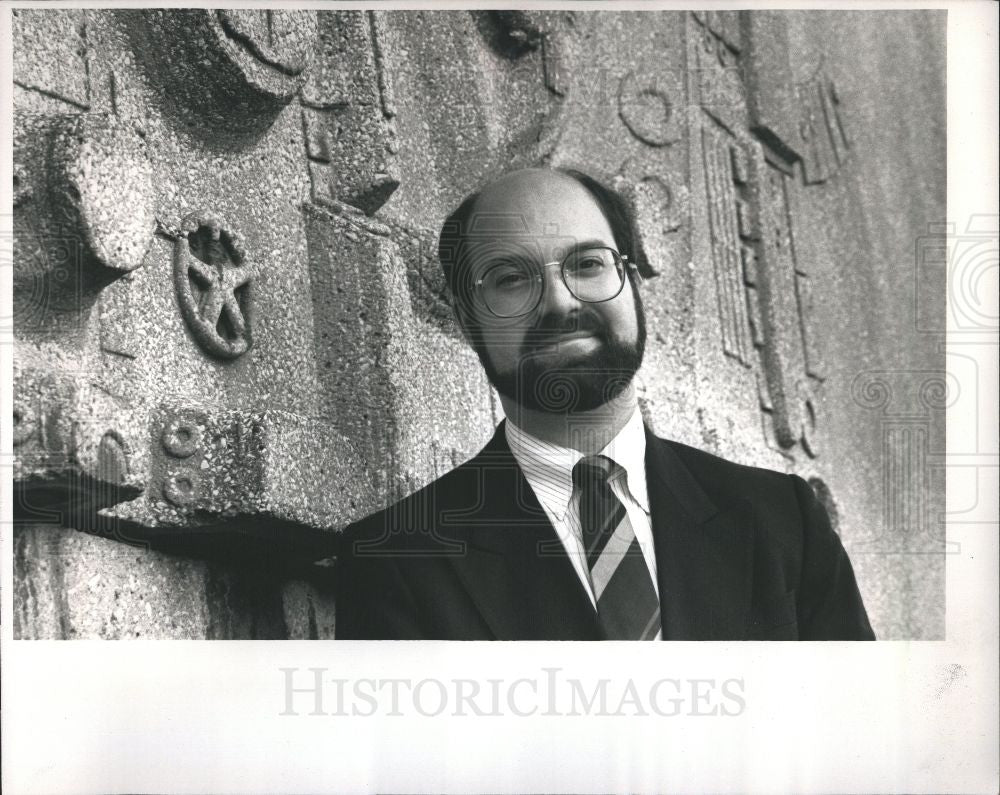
(725, 240)
(647, 111)
(57, 67)
(524, 31)
(278, 39)
(822, 128)
(780, 278)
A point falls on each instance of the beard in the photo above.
(571, 383)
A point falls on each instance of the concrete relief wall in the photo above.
(233, 337)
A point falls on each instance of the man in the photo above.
(575, 521)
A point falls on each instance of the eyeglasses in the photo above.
(514, 286)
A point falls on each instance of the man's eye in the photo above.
(587, 265)
(511, 280)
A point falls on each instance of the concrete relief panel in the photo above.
(537, 50)
(78, 449)
(776, 282)
(767, 138)
(229, 70)
(136, 286)
(348, 110)
(377, 339)
(822, 128)
(730, 223)
(243, 473)
(717, 77)
(101, 184)
(84, 215)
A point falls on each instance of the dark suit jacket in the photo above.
(742, 554)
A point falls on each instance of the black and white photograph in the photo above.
(590, 322)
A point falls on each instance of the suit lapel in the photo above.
(704, 552)
(517, 573)
(514, 566)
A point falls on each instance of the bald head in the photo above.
(550, 207)
(529, 190)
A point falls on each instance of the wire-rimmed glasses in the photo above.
(514, 286)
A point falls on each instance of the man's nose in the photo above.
(556, 297)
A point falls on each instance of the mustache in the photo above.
(550, 328)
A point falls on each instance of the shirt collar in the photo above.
(628, 450)
(548, 467)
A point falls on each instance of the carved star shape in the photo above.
(218, 285)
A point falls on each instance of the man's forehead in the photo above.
(486, 225)
(535, 204)
(531, 191)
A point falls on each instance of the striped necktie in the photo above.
(627, 607)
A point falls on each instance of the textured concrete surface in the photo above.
(233, 338)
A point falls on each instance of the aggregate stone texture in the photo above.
(75, 585)
(104, 184)
(349, 114)
(139, 593)
(414, 408)
(233, 337)
(57, 66)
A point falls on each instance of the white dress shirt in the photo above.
(548, 469)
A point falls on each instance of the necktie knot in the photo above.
(594, 470)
